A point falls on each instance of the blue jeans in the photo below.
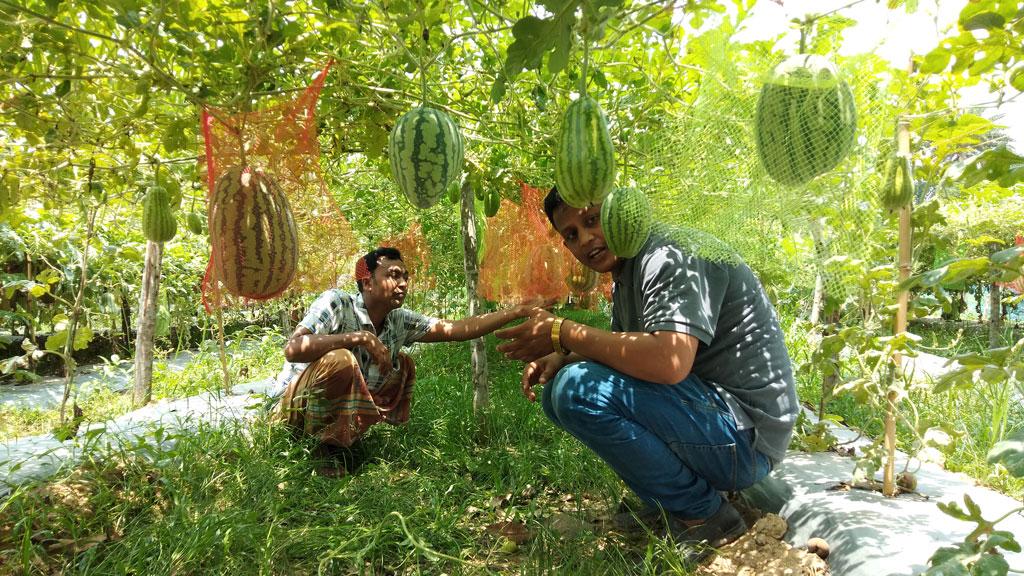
(675, 446)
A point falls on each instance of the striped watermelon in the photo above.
(626, 221)
(806, 120)
(252, 234)
(158, 223)
(585, 159)
(425, 149)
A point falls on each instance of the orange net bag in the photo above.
(281, 142)
(416, 256)
(524, 258)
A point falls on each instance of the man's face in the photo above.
(581, 233)
(388, 283)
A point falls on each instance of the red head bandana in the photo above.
(362, 270)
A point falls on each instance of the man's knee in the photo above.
(571, 394)
(338, 359)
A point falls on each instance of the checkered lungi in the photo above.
(330, 398)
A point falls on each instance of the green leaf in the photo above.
(83, 335)
(954, 379)
(499, 88)
(953, 509)
(953, 272)
(986, 63)
(1010, 453)
(62, 89)
(1017, 78)
(990, 565)
(559, 58)
(1011, 257)
(972, 508)
(982, 21)
(532, 38)
(936, 61)
(56, 341)
(48, 276)
(999, 164)
(174, 137)
(1001, 539)
(38, 290)
(950, 561)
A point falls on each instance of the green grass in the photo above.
(246, 500)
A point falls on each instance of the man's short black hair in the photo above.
(552, 201)
(373, 257)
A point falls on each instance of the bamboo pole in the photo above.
(904, 260)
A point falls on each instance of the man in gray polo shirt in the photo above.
(690, 394)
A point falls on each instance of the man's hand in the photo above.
(378, 352)
(529, 340)
(540, 371)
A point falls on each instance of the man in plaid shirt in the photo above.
(344, 370)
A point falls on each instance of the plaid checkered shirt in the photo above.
(338, 312)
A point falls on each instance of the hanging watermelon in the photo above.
(585, 158)
(426, 152)
(806, 120)
(253, 237)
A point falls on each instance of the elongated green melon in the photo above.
(585, 158)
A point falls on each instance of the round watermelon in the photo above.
(426, 152)
(806, 120)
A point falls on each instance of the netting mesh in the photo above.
(416, 256)
(282, 141)
(704, 177)
(523, 257)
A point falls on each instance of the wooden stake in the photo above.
(220, 336)
(904, 259)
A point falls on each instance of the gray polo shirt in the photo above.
(742, 352)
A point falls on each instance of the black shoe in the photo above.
(700, 541)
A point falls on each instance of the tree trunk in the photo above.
(478, 360)
(147, 324)
(995, 316)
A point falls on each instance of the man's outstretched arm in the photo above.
(475, 326)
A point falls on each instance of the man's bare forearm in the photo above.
(309, 347)
(663, 357)
(472, 327)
